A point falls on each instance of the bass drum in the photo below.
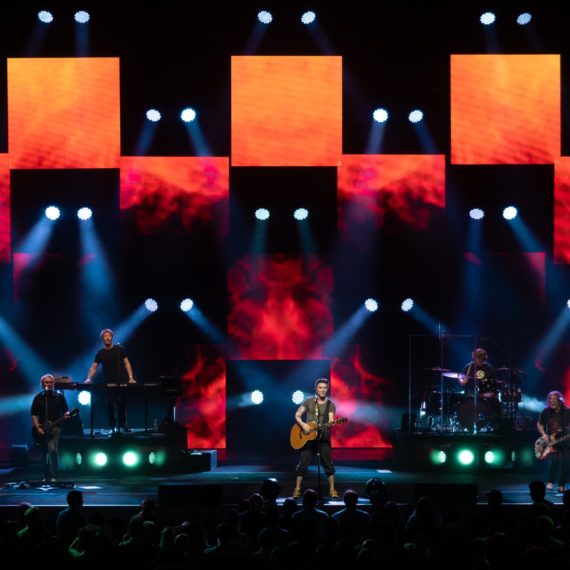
(465, 415)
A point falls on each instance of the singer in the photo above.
(319, 409)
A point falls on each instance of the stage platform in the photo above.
(206, 493)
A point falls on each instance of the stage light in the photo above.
(301, 214)
(157, 458)
(298, 396)
(45, 17)
(188, 115)
(465, 457)
(308, 17)
(151, 305)
(510, 213)
(415, 116)
(186, 305)
(371, 305)
(153, 115)
(265, 17)
(380, 115)
(84, 213)
(130, 459)
(256, 397)
(262, 214)
(407, 305)
(438, 457)
(476, 214)
(494, 457)
(524, 19)
(78, 458)
(99, 459)
(487, 18)
(270, 489)
(376, 491)
(568, 303)
(52, 213)
(82, 17)
(84, 398)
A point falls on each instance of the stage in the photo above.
(208, 489)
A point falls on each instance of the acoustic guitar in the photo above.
(298, 437)
(42, 437)
(543, 448)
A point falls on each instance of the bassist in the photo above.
(48, 406)
(554, 423)
(319, 409)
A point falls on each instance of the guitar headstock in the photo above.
(342, 420)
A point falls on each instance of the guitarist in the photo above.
(49, 406)
(554, 422)
(319, 409)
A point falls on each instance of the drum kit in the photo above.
(453, 405)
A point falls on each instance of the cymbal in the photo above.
(459, 375)
(437, 369)
(502, 369)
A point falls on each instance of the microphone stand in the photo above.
(318, 443)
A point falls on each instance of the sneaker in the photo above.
(333, 494)
(53, 480)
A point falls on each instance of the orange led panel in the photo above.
(286, 110)
(562, 211)
(4, 209)
(505, 109)
(63, 113)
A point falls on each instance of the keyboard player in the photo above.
(117, 370)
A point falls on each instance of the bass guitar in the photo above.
(543, 448)
(298, 437)
(41, 437)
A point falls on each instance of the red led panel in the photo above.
(280, 308)
(63, 112)
(505, 109)
(4, 209)
(286, 110)
(352, 383)
(562, 211)
(202, 405)
(370, 186)
(191, 187)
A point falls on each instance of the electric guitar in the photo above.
(543, 448)
(298, 437)
(42, 437)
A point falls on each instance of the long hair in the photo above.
(558, 395)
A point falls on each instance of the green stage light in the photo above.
(465, 457)
(78, 458)
(131, 459)
(438, 457)
(157, 458)
(98, 459)
(494, 457)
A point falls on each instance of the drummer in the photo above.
(484, 373)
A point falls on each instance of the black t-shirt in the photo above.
(53, 402)
(113, 366)
(310, 405)
(486, 377)
(555, 422)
